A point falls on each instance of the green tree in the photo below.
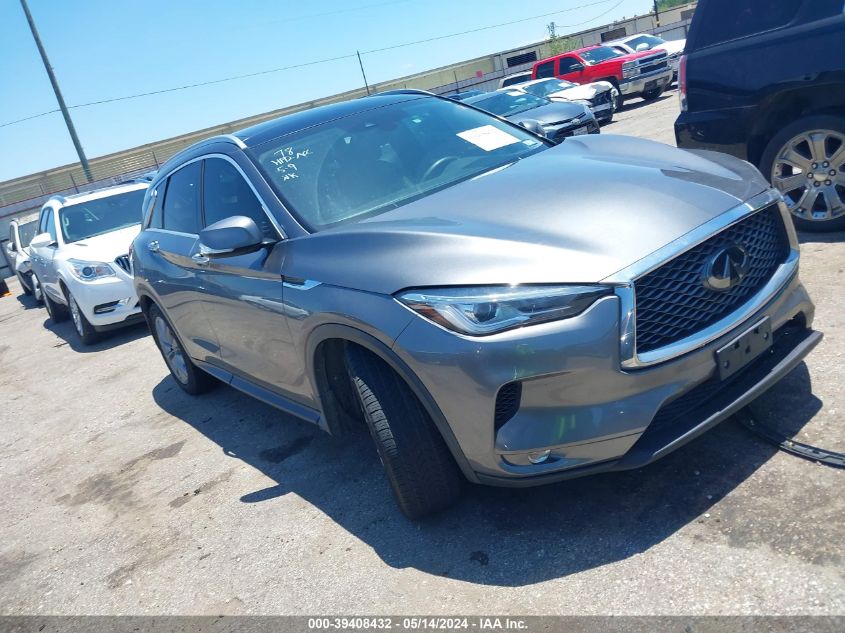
(558, 44)
(663, 5)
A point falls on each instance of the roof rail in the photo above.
(406, 91)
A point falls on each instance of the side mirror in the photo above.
(10, 247)
(42, 240)
(234, 235)
(533, 125)
(642, 46)
(576, 68)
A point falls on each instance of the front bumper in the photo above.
(637, 85)
(579, 404)
(585, 126)
(107, 303)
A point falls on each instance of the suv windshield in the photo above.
(508, 103)
(649, 40)
(371, 162)
(599, 54)
(95, 217)
(26, 232)
(545, 88)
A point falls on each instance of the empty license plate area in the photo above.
(745, 348)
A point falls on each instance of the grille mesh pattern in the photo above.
(507, 403)
(123, 262)
(672, 301)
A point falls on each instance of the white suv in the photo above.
(80, 258)
(17, 254)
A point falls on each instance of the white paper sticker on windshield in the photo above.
(488, 137)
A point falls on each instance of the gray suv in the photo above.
(493, 307)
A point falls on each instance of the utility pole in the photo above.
(656, 14)
(361, 64)
(71, 130)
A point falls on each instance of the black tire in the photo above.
(193, 380)
(26, 289)
(56, 311)
(620, 98)
(422, 472)
(778, 142)
(651, 95)
(86, 332)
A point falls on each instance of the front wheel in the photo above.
(187, 375)
(87, 334)
(806, 162)
(422, 473)
(26, 287)
(651, 95)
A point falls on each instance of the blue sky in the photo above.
(102, 49)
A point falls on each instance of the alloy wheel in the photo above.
(809, 170)
(36, 290)
(172, 350)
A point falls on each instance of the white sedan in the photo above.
(601, 97)
(80, 258)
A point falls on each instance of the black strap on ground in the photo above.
(820, 455)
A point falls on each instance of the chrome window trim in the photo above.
(171, 232)
(264, 207)
(625, 279)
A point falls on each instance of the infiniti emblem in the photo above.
(726, 268)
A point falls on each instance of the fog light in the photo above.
(539, 457)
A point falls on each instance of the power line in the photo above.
(333, 59)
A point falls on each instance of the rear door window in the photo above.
(181, 200)
(546, 69)
(725, 20)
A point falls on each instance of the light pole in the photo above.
(71, 130)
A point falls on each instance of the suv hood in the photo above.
(102, 248)
(672, 46)
(575, 213)
(584, 91)
(554, 112)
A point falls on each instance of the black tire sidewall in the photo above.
(774, 146)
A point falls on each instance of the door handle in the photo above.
(199, 258)
(153, 246)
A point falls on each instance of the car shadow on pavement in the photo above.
(27, 302)
(630, 106)
(66, 331)
(805, 237)
(494, 536)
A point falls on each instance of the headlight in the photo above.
(630, 69)
(89, 271)
(486, 310)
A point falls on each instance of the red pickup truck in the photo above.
(645, 74)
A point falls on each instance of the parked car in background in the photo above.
(80, 257)
(645, 74)
(491, 306)
(466, 94)
(513, 80)
(766, 82)
(600, 96)
(17, 254)
(558, 119)
(647, 42)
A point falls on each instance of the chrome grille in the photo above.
(123, 262)
(653, 63)
(672, 301)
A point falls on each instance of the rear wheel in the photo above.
(87, 334)
(806, 163)
(422, 473)
(187, 375)
(26, 283)
(55, 310)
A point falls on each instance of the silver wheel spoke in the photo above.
(816, 141)
(171, 351)
(832, 201)
(790, 183)
(791, 157)
(837, 161)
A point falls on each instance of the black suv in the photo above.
(765, 81)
